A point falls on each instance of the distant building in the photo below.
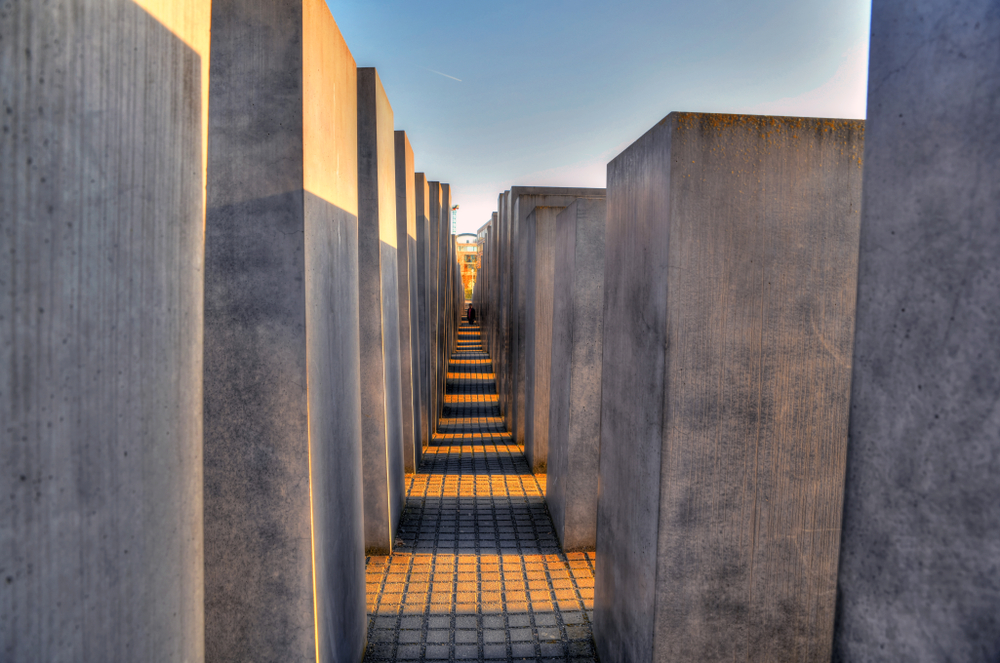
(467, 245)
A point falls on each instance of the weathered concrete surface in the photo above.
(522, 200)
(378, 299)
(443, 268)
(918, 565)
(406, 260)
(539, 278)
(501, 350)
(433, 303)
(723, 450)
(102, 198)
(283, 503)
(577, 333)
(421, 192)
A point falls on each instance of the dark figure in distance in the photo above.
(472, 316)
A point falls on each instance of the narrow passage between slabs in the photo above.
(477, 573)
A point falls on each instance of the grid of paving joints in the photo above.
(477, 573)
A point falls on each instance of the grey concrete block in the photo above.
(446, 255)
(283, 502)
(378, 300)
(918, 564)
(409, 343)
(539, 279)
(102, 194)
(433, 296)
(522, 200)
(422, 204)
(730, 272)
(574, 422)
(443, 267)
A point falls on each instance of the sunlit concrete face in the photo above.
(421, 199)
(381, 393)
(102, 186)
(730, 281)
(433, 294)
(918, 566)
(415, 437)
(283, 504)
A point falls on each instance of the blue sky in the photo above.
(546, 93)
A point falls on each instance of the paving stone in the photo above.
(466, 652)
(411, 622)
(547, 620)
(409, 652)
(518, 620)
(438, 652)
(522, 650)
(553, 649)
(495, 652)
(466, 636)
(493, 621)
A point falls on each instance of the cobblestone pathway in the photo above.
(477, 573)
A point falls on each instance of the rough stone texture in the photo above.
(102, 198)
(539, 265)
(730, 272)
(501, 350)
(433, 303)
(409, 351)
(918, 565)
(283, 503)
(577, 328)
(421, 192)
(443, 268)
(378, 287)
(523, 199)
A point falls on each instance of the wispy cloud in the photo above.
(441, 74)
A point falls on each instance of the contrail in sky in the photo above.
(445, 75)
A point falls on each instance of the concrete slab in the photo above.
(422, 204)
(577, 347)
(918, 563)
(283, 502)
(102, 176)
(523, 199)
(730, 272)
(409, 343)
(434, 303)
(443, 268)
(540, 224)
(378, 299)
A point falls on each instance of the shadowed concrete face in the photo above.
(443, 267)
(722, 451)
(283, 504)
(414, 435)
(423, 224)
(574, 421)
(522, 200)
(918, 565)
(433, 302)
(102, 192)
(381, 395)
